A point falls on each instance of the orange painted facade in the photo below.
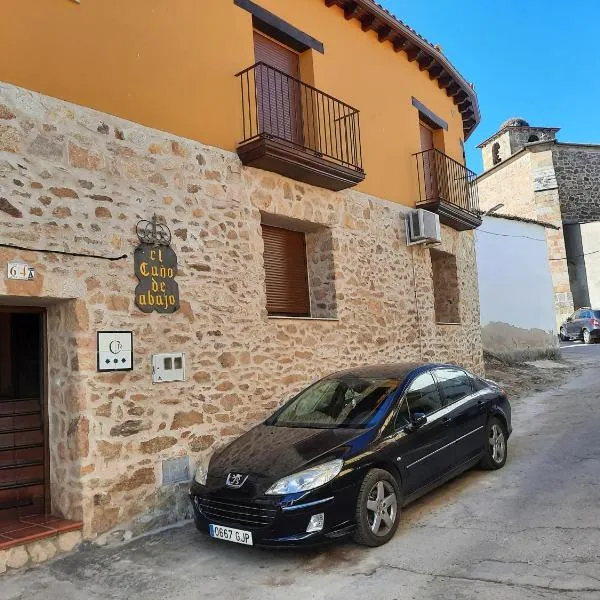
(171, 65)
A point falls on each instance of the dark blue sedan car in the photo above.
(347, 453)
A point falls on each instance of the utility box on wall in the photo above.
(168, 366)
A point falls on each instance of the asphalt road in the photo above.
(578, 351)
(530, 530)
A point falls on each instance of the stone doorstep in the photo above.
(37, 542)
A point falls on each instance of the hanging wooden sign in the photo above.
(155, 264)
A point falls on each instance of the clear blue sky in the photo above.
(535, 59)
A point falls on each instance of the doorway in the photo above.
(430, 175)
(278, 90)
(24, 485)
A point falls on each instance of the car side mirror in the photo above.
(569, 319)
(417, 421)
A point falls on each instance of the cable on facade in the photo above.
(538, 240)
(15, 247)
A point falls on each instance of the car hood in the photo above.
(267, 453)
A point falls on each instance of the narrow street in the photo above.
(530, 530)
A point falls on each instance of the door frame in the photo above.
(40, 310)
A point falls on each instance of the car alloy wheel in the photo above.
(563, 335)
(382, 507)
(377, 508)
(587, 337)
(497, 444)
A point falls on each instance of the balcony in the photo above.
(449, 189)
(295, 130)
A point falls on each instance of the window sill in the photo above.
(442, 323)
(283, 317)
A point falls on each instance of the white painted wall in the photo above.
(590, 239)
(515, 285)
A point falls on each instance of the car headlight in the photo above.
(307, 480)
(202, 471)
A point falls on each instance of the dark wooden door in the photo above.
(278, 92)
(23, 473)
(286, 274)
(430, 176)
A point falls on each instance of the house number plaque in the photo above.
(155, 264)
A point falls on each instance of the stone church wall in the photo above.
(577, 170)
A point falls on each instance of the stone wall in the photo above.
(73, 179)
(35, 553)
(577, 170)
(509, 184)
(504, 151)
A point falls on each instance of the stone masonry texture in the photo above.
(73, 179)
(577, 171)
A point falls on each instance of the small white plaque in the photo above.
(115, 351)
(20, 270)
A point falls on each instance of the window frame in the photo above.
(306, 282)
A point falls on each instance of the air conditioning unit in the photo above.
(423, 227)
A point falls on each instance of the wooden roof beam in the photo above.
(413, 52)
(384, 33)
(425, 62)
(460, 97)
(367, 22)
(444, 81)
(462, 106)
(452, 89)
(435, 71)
(351, 9)
(400, 43)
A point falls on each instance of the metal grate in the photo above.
(235, 513)
(443, 178)
(276, 105)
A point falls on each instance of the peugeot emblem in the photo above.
(236, 480)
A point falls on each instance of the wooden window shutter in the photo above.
(286, 274)
(278, 96)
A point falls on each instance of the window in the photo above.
(336, 402)
(496, 153)
(454, 383)
(299, 268)
(286, 273)
(423, 395)
(446, 293)
(533, 138)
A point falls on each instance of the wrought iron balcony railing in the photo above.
(442, 179)
(279, 108)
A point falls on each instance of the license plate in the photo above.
(239, 536)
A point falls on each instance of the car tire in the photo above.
(496, 445)
(562, 335)
(586, 336)
(379, 495)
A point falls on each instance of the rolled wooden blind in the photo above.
(286, 274)
(278, 97)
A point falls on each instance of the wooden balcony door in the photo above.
(278, 96)
(430, 179)
(23, 457)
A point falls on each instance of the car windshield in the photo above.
(336, 402)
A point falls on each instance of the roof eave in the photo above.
(419, 50)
